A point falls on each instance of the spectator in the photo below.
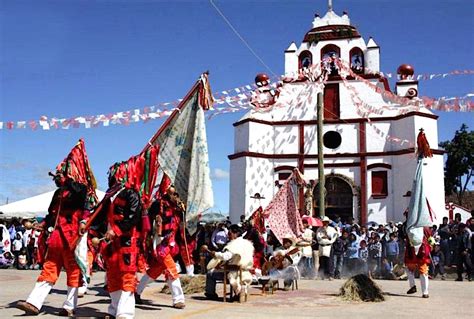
(337, 254)
(352, 255)
(22, 262)
(326, 235)
(219, 237)
(375, 257)
(17, 247)
(391, 227)
(363, 257)
(6, 259)
(307, 251)
(445, 234)
(438, 262)
(363, 235)
(392, 250)
(464, 252)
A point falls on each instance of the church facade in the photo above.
(369, 158)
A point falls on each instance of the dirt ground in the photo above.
(313, 299)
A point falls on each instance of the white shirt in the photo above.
(17, 245)
(308, 239)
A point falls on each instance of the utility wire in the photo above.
(241, 38)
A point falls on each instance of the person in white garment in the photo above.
(326, 235)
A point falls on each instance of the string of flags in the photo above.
(424, 77)
(239, 98)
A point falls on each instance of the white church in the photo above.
(368, 176)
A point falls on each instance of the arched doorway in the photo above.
(339, 197)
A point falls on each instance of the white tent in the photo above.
(36, 206)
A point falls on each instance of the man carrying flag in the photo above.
(122, 214)
(65, 222)
(184, 160)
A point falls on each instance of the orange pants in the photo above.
(160, 265)
(117, 279)
(422, 268)
(58, 258)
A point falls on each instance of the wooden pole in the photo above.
(322, 181)
(173, 115)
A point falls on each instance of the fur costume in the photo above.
(244, 249)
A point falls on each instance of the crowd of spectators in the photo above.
(373, 249)
(23, 245)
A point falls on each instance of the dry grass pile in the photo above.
(361, 288)
(190, 285)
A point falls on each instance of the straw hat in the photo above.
(290, 238)
(213, 263)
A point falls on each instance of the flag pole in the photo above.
(173, 115)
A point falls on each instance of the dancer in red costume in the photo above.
(122, 214)
(166, 211)
(418, 261)
(65, 222)
(186, 247)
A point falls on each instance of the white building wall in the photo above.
(403, 167)
(376, 142)
(260, 179)
(349, 138)
(241, 138)
(434, 186)
(261, 138)
(286, 139)
(237, 189)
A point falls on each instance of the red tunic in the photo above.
(124, 217)
(68, 201)
(171, 217)
(423, 256)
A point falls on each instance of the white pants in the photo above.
(83, 289)
(175, 287)
(41, 291)
(144, 281)
(190, 270)
(176, 290)
(71, 298)
(424, 281)
(122, 304)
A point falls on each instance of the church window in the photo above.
(305, 59)
(331, 101)
(283, 176)
(379, 184)
(357, 60)
(332, 139)
(329, 52)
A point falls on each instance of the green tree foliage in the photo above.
(459, 166)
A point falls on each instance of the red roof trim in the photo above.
(337, 121)
(337, 155)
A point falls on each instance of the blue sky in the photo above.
(71, 58)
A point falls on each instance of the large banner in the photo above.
(184, 158)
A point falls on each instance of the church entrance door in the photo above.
(339, 198)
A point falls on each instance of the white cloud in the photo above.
(19, 192)
(219, 174)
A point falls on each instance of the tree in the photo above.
(459, 166)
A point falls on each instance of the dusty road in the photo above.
(314, 299)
